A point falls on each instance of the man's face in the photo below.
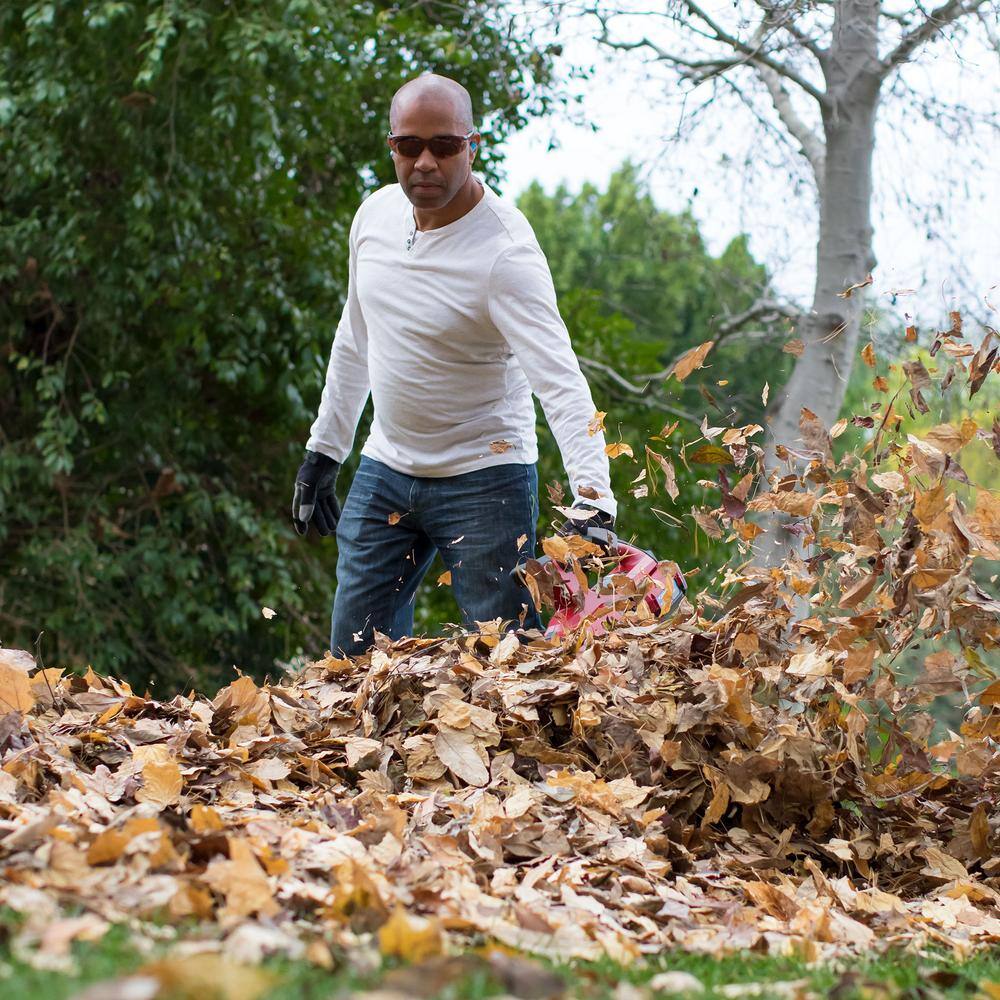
(428, 182)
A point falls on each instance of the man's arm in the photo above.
(347, 386)
(522, 304)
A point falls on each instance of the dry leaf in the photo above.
(711, 454)
(463, 754)
(161, 783)
(412, 939)
(243, 882)
(204, 976)
(691, 360)
(848, 292)
(618, 448)
(15, 690)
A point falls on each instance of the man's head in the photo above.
(426, 107)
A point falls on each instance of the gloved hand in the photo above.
(315, 498)
(599, 528)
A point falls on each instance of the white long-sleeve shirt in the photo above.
(452, 330)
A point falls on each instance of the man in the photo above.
(451, 323)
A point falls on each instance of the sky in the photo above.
(636, 114)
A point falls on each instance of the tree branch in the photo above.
(935, 23)
(642, 392)
(731, 326)
(756, 55)
(696, 70)
(812, 146)
(784, 18)
(990, 30)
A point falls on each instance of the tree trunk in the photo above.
(844, 250)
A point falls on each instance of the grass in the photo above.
(895, 975)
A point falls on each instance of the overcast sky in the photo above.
(636, 117)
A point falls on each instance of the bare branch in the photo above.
(812, 146)
(784, 18)
(765, 309)
(990, 30)
(643, 393)
(769, 309)
(935, 23)
(755, 53)
(697, 70)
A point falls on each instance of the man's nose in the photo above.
(425, 162)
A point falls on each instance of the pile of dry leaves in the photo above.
(742, 775)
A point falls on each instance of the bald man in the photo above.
(451, 325)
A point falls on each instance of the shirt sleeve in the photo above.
(347, 383)
(522, 305)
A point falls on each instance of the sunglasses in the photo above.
(441, 146)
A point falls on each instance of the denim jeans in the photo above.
(482, 523)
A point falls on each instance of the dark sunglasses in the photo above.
(441, 146)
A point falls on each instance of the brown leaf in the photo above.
(814, 434)
(711, 454)
(202, 976)
(15, 690)
(849, 291)
(463, 754)
(412, 939)
(858, 665)
(948, 438)
(859, 590)
(618, 448)
(243, 882)
(161, 783)
(691, 360)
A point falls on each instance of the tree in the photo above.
(178, 181)
(818, 74)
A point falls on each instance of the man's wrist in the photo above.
(325, 462)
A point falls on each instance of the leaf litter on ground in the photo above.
(742, 775)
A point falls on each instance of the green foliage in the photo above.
(179, 178)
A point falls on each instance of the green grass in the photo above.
(896, 975)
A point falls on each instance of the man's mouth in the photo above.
(424, 184)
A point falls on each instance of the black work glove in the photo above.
(598, 528)
(315, 498)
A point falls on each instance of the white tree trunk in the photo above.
(844, 249)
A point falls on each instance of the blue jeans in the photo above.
(482, 523)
